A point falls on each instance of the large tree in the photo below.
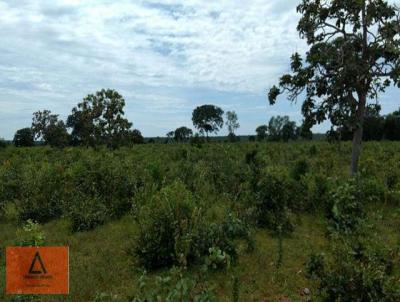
(354, 55)
(208, 119)
(99, 118)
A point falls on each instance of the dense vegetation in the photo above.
(219, 220)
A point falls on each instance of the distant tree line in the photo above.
(207, 119)
(281, 128)
(99, 119)
(376, 126)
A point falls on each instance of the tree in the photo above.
(41, 121)
(304, 132)
(24, 138)
(99, 119)
(170, 135)
(353, 56)
(56, 135)
(183, 134)
(392, 126)
(232, 122)
(262, 132)
(47, 127)
(281, 128)
(208, 119)
(135, 137)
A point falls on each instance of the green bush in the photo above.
(356, 271)
(86, 213)
(345, 208)
(274, 200)
(174, 231)
(167, 227)
(300, 169)
(42, 193)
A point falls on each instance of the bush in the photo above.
(273, 201)
(167, 226)
(345, 208)
(174, 231)
(300, 168)
(42, 193)
(86, 213)
(357, 271)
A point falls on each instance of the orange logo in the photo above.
(37, 270)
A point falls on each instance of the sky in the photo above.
(164, 57)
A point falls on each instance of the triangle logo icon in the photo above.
(37, 266)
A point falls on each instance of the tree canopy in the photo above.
(99, 118)
(24, 138)
(182, 134)
(208, 119)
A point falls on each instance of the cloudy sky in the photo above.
(164, 57)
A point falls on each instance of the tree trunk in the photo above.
(358, 134)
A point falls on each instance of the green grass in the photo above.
(99, 260)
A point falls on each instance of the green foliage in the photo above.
(280, 128)
(353, 56)
(173, 287)
(3, 143)
(346, 208)
(274, 200)
(182, 134)
(217, 259)
(300, 169)
(24, 138)
(42, 189)
(356, 271)
(86, 213)
(168, 224)
(208, 118)
(98, 119)
(30, 234)
(173, 231)
(262, 132)
(232, 122)
(47, 127)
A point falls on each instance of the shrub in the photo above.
(174, 231)
(42, 195)
(345, 208)
(217, 259)
(86, 213)
(98, 189)
(357, 271)
(300, 168)
(30, 234)
(273, 201)
(166, 227)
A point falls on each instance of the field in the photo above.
(218, 221)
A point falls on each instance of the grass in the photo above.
(99, 260)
